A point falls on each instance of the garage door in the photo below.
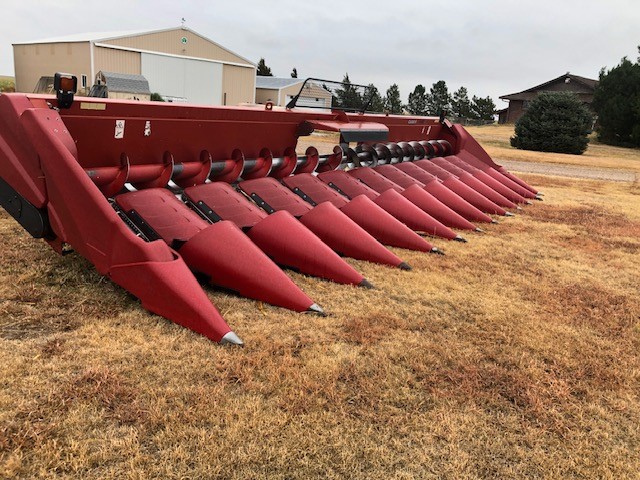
(196, 81)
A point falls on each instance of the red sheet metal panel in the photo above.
(274, 196)
(347, 184)
(280, 235)
(225, 202)
(325, 220)
(315, 189)
(434, 186)
(376, 221)
(82, 217)
(221, 251)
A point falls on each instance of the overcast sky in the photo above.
(492, 47)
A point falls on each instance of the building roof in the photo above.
(276, 83)
(589, 83)
(124, 82)
(97, 37)
(91, 36)
(311, 89)
(315, 90)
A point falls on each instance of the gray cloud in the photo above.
(493, 47)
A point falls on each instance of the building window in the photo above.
(83, 81)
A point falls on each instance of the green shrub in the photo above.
(156, 97)
(7, 85)
(554, 122)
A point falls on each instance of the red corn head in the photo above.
(377, 222)
(426, 202)
(466, 192)
(416, 192)
(333, 227)
(474, 183)
(220, 251)
(435, 187)
(279, 235)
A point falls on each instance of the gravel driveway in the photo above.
(560, 170)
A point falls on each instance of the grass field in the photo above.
(495, 140)
(515, 355)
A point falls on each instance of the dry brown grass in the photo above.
(516, 355)
(495, 139)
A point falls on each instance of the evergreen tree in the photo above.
(482, 108)
(347, 96)
(392, 102)
(263, 70)
(417, 104)
(294, 73)
(460, 104)
(554, 122)
(376, 102)
(438, 98)
(617, 103)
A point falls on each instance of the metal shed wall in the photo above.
(264, 95)
(32, 61)
(196, 80)
(121, 61)
(238, 85)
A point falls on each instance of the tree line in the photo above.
(419, 102)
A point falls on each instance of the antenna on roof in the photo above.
(183, 21)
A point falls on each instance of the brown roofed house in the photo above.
(518, 102)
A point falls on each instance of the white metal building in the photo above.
(281, 90)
